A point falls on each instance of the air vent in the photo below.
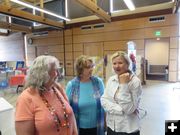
(85, 27)
(98, 26)
(43, 33)
(157, 19)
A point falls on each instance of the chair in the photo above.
(19, 64)
(2, 65)
(17, 80)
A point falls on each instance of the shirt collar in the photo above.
(115, 77)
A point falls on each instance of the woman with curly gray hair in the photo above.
(43, 108)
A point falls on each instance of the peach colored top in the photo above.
(30, 106)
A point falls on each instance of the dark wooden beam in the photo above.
(176, 6)
(15, 27)
(4, 34)
(4, 9)
(92, 6)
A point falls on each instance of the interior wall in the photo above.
(12, 47)
(115, 35)
(110, 38)
(157, 52)
(51, 43)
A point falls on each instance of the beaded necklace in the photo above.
(53, 112)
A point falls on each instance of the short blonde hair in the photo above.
(81, 63)
(123, 55)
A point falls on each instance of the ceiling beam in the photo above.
(15, 27)
(95, 9)
(4, 34)
(176, 6)
(28, 16)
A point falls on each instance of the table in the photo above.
(7, 126)
(17, 80)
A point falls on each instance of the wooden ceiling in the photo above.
(79, 11)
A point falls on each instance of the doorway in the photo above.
(157, 57)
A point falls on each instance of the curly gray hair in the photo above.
(38, 73)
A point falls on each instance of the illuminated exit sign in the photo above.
(157, 33)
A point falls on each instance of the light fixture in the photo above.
(39, 9)
(95, 9)
(111, 6)
(129, 4)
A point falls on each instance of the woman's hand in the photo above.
(124, 78)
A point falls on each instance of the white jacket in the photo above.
(122, 108)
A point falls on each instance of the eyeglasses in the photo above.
(90, 66)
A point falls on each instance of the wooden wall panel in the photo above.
(58, 55)
(115, 45)
(109, 52)
(77, 54)
(93, 49)
(110, 36)
(125, 25)
(68, 48)
(88, 38)
(56, 48)
(139, 44)
(169, 20)
(169, 31)
(69, 63)
(113, 26)
(56, 41)
(52, 44)
(68, 32)
(68, 39)
(69, 71)
(79, 31)
(48, 41)
(77, 47)
(68, 56)
(55, 34)
(68, 53)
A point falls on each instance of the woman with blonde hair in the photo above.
(121, 98)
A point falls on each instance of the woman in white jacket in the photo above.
(121, 98)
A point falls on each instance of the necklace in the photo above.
(54, 114)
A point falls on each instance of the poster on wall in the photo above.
(98, 68)
(132, 54)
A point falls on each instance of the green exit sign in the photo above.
(157, 33)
